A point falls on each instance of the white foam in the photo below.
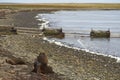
(59, 43)
(76, 48)
(45, 22)
(38, 16)
(39, 19)
(43, 25)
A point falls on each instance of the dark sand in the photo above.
(21, 19)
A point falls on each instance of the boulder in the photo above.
(57, 33)
(100, 34)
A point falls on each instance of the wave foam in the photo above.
(45, 22)
(76, 48)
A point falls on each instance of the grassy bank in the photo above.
(63, 6)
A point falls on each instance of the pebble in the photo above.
(12, 71)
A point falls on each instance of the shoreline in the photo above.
(76, 48)
(75, 64)
(71, 64)
(46, 22)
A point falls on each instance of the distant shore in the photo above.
(63, 6)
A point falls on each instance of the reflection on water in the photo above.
(109, 46)
(105, 39)
(77, 23)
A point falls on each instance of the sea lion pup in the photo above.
(15, 61)
(40, 64)
(42, 58)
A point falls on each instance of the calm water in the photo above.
(75, 23)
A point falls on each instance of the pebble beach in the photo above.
(67, 63)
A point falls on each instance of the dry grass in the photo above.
(63, 6)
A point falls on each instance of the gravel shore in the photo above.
(21, 19)
(73, 64)
(68, 64)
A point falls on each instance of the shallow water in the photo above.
(78, 24)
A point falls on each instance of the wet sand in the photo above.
(21, 19)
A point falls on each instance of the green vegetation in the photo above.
(62, 6)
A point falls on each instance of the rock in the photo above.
(2, 14)
(57, 33)
(12, 72)
(41, 65)
(100, 34)
(15, 61)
